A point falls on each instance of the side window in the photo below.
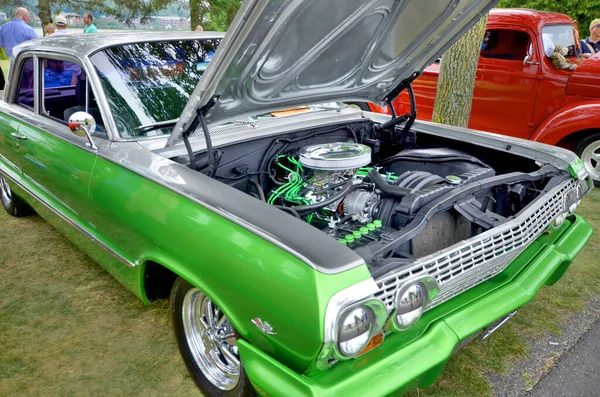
(66, 91)
(562, 35)
(25, 92)
(512, 45)
(59, 86)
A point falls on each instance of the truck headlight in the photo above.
(356, 327)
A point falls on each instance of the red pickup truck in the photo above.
(519, 93)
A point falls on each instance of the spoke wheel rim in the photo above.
(211, 340)
(591, 159)
(5, 192)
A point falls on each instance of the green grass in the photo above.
(4, 66)
(68, 328)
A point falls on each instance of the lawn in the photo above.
(68, 328)
(4, 66)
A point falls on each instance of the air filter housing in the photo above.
(335, 156)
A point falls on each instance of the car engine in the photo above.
(337, 188)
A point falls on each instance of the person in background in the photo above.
(486, 40)
(49, 28)
(89, 26)
(199, 28)
(59, 72)
(61, 26)
(56, 75)
(591, 44)
(16, 31)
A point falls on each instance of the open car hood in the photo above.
(282, 54)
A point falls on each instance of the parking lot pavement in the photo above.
(578, 371)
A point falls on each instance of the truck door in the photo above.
(507, 82)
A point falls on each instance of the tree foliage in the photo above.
(124, 10)
(211, 14)
(583, 11)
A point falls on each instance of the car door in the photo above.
(507, 83)
(14, 114)
(56, 164)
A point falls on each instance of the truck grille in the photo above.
(469, 263)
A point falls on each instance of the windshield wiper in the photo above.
(157, 125)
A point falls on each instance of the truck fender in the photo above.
(568, 120)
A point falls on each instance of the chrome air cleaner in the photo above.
(335, 156)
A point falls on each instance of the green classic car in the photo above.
(307, 248)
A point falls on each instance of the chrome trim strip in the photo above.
(471, 262)
(65, 218)
(36, 84)
(340, 301)
(343, 299)
(94, 83)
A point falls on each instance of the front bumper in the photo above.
(392, 369)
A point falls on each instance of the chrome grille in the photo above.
(480, 258)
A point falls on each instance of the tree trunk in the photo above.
(194, 14)
(457, 78)
(44, 14)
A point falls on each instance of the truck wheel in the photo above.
(589, 151)
(11, 203)
(207, 342)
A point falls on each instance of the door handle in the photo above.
(18, 136)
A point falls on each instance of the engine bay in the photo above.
(380, 193)
(337, 188)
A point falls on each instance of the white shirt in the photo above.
(59, 32)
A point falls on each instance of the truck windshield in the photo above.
(562, 35)
(148, 84)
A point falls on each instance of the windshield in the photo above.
(147, 83)
(562, 35)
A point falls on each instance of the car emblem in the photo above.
(263, 326)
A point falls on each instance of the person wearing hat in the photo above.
(591, 44)
(61, 26)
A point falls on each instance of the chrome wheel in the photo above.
(211, 340)
(5, 192)
(591, 159)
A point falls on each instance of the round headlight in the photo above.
(355, 330)
(410, 304)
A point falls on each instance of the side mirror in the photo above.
(83, 124)
(527, 61)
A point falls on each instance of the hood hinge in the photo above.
(401, 87)
(405, 137)
(200, 119)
